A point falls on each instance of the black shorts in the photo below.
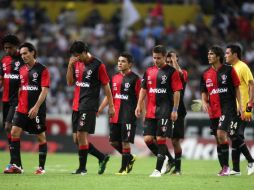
(8, 112)
(226, 122)
(122, 132)
(32, 126)
(157, 127)
(214, 126)
(237, 127)
(83, 121)
(177, 130)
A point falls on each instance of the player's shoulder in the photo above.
(5, 58)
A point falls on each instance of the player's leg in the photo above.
(43, 149)
(178, 155)
(149, 135)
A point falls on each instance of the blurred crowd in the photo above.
(231, 21)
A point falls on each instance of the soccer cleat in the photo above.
(225, 171)
(156, 173)
(250, 168)
(176, 172)
(164, 166)
(13, 169)
(80, 171)
(40, 171)
(130, 166)
(103, 164)
(122, 172)
(235, 173)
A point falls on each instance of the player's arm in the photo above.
(140, 104)
(107, 91)
(251, 94)
(205, 101)
(34, 110)
(175, 63)
(104, 103)
(238, 98)
(70, 71)
(176, 97)
(1, 81)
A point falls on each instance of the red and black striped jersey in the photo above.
(125, 91)
(88, 78)
(181, 109)
(31, 82)
(160, 85)
(9, 71)
(220, 86)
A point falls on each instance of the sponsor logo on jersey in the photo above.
(209, 83)
(158, 90)
(30, 88)
(83, 84)
(121, 96)
(218, 91)
(11, 76)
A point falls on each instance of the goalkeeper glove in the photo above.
(196, 105)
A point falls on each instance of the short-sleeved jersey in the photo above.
(31, 82)
(160, 85)
(125, 90)
(220, 86)
(9, 70)
(181, 109)
(88, 78)
(245, 75)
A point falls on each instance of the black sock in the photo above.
(43, 149)
(170, 158)
(178, 157)
(118, 147)
(15, 152)
(219, 153)
(83, 151)
(240, 144)
(225, 154)
(153, 147)
(125, 160)
(235, 156)
(95, 152)
(9, 142)
(162, 148)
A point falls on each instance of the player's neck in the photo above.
(125, 72)
(31, 63)
(217, 65)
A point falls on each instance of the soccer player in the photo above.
(30, 115)
(177, 129)
(161, 84)
(88, 74)
(219, 88)
(9, 80)
(125, 87)
(233, 57)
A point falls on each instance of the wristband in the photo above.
(174, 109)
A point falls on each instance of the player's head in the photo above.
(27, 52)
(159, 55)
(215, 55)
(79, 49)
(125, 61)
(169, 56)
(10, 44)
(233, 53)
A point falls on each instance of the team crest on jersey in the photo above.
(127, 86)
(163, 79)
(17, 64)
(35, 77)
(209, 83)
(224, 79)
(164, 129)
(88, 74)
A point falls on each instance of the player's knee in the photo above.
(41, 138)
(148, 140)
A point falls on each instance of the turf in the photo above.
(197, 175)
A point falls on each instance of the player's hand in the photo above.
(98, 112)
(111, 111)
(138, 111)
(72, 60)
(196, 105)
(33, 112)
(174, 116)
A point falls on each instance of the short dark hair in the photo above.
(160, 49)
(218, 51)
(12, 39)
(78, 47)
(30, 47)
(128, 56)
(235, 49)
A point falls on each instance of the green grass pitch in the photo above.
(197, 175)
